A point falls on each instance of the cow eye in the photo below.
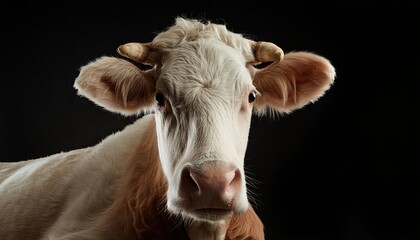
(252, 96)
(160, 99)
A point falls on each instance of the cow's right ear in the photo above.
(117, 85)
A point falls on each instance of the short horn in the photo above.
(267, 52)
(135, 51)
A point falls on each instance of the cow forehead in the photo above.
(204, 66)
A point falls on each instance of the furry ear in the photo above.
(245, 226)
(298, 79)
(117, 85)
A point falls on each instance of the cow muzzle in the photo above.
(211, 191)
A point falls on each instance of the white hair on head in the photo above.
(193, 29)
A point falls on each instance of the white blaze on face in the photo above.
(203, 122)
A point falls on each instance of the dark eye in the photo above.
(160, 99)
(252, 96)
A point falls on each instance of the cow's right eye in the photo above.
(160, 99)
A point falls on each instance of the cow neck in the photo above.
(141, 210)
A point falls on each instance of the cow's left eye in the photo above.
(252, 96)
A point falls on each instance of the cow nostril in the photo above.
(188, 182)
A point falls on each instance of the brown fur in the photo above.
(245, 226)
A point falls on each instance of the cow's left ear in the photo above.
(117, 85)
(289, 84)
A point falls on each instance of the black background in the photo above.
(345, 167)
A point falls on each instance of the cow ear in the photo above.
(117, 85)
(300, 78)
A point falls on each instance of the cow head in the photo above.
(203, 87)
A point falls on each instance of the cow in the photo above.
(176, 172)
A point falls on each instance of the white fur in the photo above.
(209, 115)
(66, 193)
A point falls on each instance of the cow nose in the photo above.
(218, 183)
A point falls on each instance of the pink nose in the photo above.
(214, 186)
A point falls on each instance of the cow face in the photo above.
(203, 89)
(204, 97)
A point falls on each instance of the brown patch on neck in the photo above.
(140, 210)
(245, 226)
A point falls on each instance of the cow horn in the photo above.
(136, 51)
(267, 52)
